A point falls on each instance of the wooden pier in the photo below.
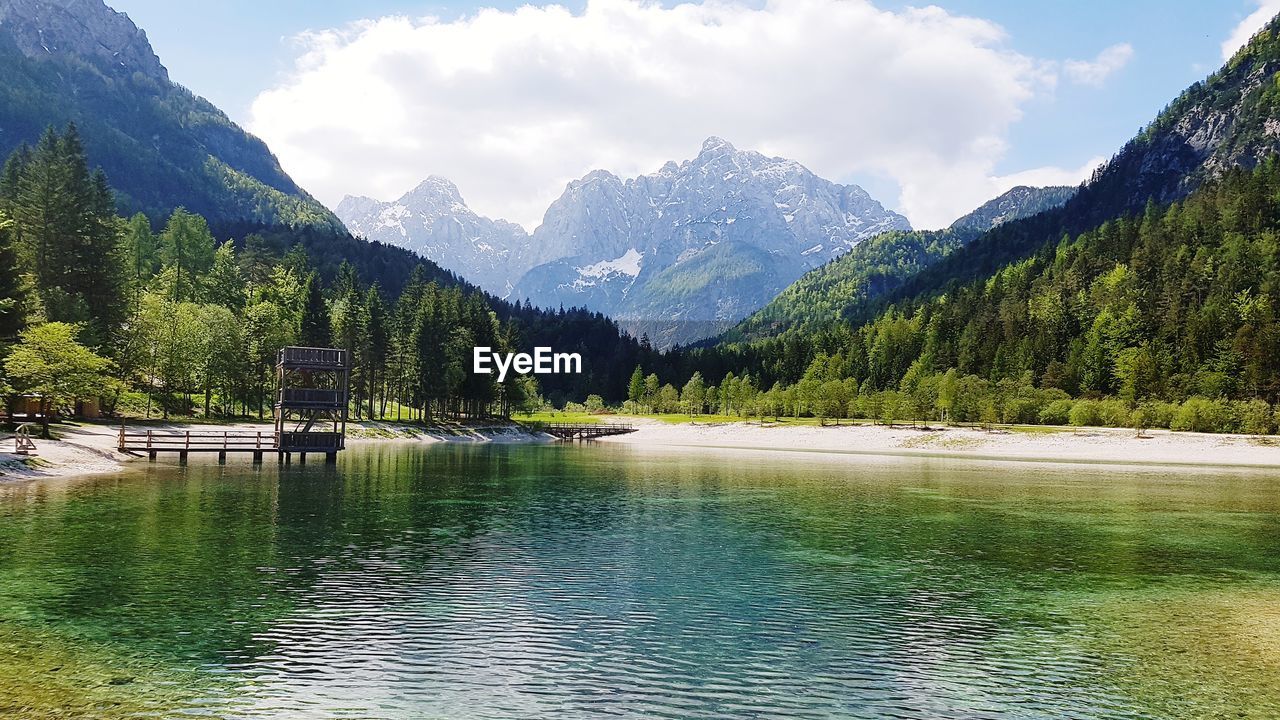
(310, 413)
(153, 442)
(579, 431)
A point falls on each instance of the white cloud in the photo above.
(1095, 72)
(1043, 176)
(1267, 9)
(511, 105)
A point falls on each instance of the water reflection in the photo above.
(501, 581)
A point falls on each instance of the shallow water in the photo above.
(578, 582)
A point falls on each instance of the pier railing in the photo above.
(195, 441)
(581, 431)
(311, 397)
(312, 357)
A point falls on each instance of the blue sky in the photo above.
(231, 51)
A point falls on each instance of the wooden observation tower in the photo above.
(312, 386)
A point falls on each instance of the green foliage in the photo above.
(317, 328)
(187, 250)
(693, 395)
(1200, 414)
(50, 362)
(66, 234)
(1138, 312)
(162, 146)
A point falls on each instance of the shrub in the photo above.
(1200, 414)
(1255, 417)
(1057, 412)
(1160, 414)
(1085, 412)
(1113, 412)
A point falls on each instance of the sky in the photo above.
(932, 108)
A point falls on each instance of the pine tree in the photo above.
(69, 236)
(317, 329)
(225, 284)
(188, 251)
(635, 388)
(41, 209)
(377, 344)
(11, 176)
(12, 292)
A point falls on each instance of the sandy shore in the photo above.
(88, 449)
(1072, 445)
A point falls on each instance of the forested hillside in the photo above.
(178, 322)
(162, 146)
(1132, 303)
(1215, 125)
(1165, 318)
(835, 292)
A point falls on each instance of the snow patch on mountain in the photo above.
(719, 235)
(626, 264)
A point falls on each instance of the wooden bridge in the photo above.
(580, 431)
(257, 443)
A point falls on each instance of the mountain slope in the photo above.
(79, 61)
(1229, 120)
(881, 264)
(1018, 202)
(434, 221)
(696, 245)
(1156, 282)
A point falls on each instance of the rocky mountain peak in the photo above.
(716, 146)
(435, 191)
(700, 242)
(595, 177)
(87, 29)
(354, 205)
(1019, 202)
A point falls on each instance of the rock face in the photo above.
(87, 29)
(1019, 202)
(686, 251)
(679, 254)
(433, 220)
(1229, 120)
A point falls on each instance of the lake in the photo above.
(507, 581)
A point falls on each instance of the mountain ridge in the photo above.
(634, 248)
(79, 61)
(882, 263)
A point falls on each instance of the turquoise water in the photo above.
(579, 582)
